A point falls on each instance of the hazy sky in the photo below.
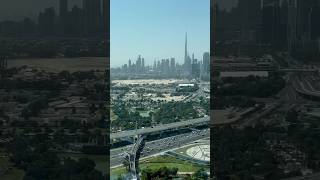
(156, 29)
(18, 9)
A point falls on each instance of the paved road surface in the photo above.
(158, 146)
(158, 128)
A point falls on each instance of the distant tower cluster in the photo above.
(165, 66)
(168, 67)
(91, 19)
(193, 67)
(138, 67)
(281, 25)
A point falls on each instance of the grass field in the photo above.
(144, 113)
(13, 173)
(161, 161)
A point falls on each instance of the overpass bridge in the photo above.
(306, 90)
(159, 128)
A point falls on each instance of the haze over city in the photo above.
(156, 29)
(29, 8)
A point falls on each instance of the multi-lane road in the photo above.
(159, 146)
(159, 128)
(165, 144)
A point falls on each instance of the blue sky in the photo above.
(156, 29)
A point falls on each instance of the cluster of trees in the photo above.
(199, 174)
(168, 113)
(306, 138)
(9, 72)
(162, 172)
(45, 84)
(46, 48)
(83, 75)
(77, 76)
(243, 153)
(205, 104)
(34, 157)
(34, 108)
(175, 111)
(170, 173)
(83, 135)
(19, 97)
(129, 120)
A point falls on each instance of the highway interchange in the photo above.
(168, 143)
(159, 146)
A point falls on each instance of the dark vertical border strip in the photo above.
(212, 46)
(106, 24)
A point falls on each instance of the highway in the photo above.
(297, 70)
(159, 146)
(315, 176)
(304, 87)
(158, 128)
(255, 118)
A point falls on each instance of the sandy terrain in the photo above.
(147, 81)
(60, 64)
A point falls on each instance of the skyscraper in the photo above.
(206, 63)
(46, 21)
(271, 22)
(92, 16)
(63, 8)
(154, 65)
(142, 64)
(138, 63)
(105, 15)
(292, 25)
(167, 66)
(195, 71)
(172, 65)
(187, 60)
(186, 51)
(75, 21)
(63, 15)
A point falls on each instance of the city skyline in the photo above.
(30, 8)
(160, 28)
(91, 18)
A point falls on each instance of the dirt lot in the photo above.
(60, 64)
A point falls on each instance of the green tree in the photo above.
(200, 174)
